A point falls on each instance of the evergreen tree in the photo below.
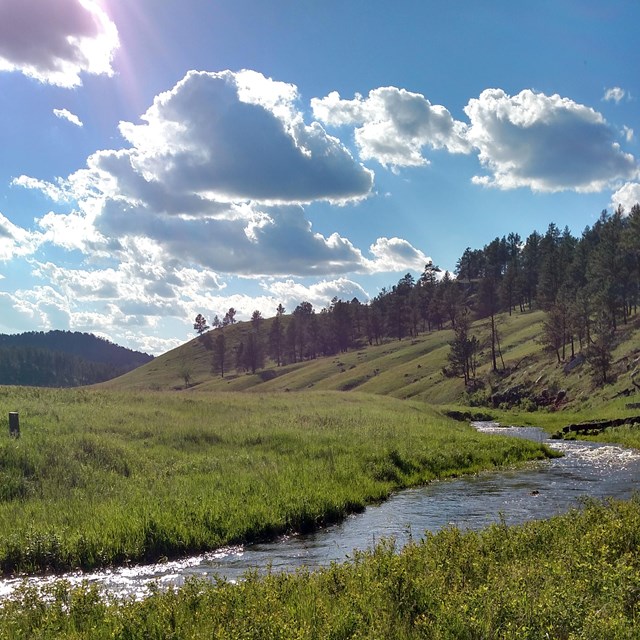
(341, 324)
(200, 325)
(219, 353)
(464, 349)
(529, 275)
(399, 306)
(229, 317)
(600, 350)
(550, 275)
(276, 336)
(291, 340)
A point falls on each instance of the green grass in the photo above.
(101, 477)
(574, 577)
(411, 368)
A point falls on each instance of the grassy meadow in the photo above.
(100, 477)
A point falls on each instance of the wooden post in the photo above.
(14, 424)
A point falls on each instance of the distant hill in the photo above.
(63, 359)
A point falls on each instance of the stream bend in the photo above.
(536, 491)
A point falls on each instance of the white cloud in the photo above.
(146, 282)
(65, 114)
(203, 179)
(546, 143)
(50, 190)
(627, 196)
(72, 231)
(395, 254)
(290, 293)
(395, 125)
(615, 94)
(41, 307)
(146, 291)
(237, 136)
(627, 132)
(54, 41)
(17, 315)
(244, 240)
(16, 241)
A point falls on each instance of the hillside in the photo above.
(413, 368)
(63, 359)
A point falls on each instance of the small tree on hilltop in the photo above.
(200, 325)
(229, 317)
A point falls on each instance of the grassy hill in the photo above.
(413, 368)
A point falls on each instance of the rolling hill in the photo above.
(413, 368)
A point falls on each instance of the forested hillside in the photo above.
(63, 359)
(577, 298)
(586, 286)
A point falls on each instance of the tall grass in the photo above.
(574, 577)
(101, 478)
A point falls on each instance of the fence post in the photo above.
(14, 424)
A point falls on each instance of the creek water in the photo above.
(537, 490)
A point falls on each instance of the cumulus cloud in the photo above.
(45, 307)
(245, 240)
(615, 94)
(117, 301)
(237, 136)
(16, 241)
(65, 114)
(627, 196)
(546, 143)
(145, 282)
(55, 41)
(72, 231)
(215, 177)
(50, 190)
(291, 293)
(395, 125)
(41, 307)
(396, 254)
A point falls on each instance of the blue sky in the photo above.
(162, 159)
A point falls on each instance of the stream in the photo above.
(536, 491)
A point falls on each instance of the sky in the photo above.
(164, 158)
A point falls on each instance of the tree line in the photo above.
(35, 367)
(63, 359)
(588, 286)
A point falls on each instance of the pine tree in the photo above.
(219, 353)
(464, 348)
